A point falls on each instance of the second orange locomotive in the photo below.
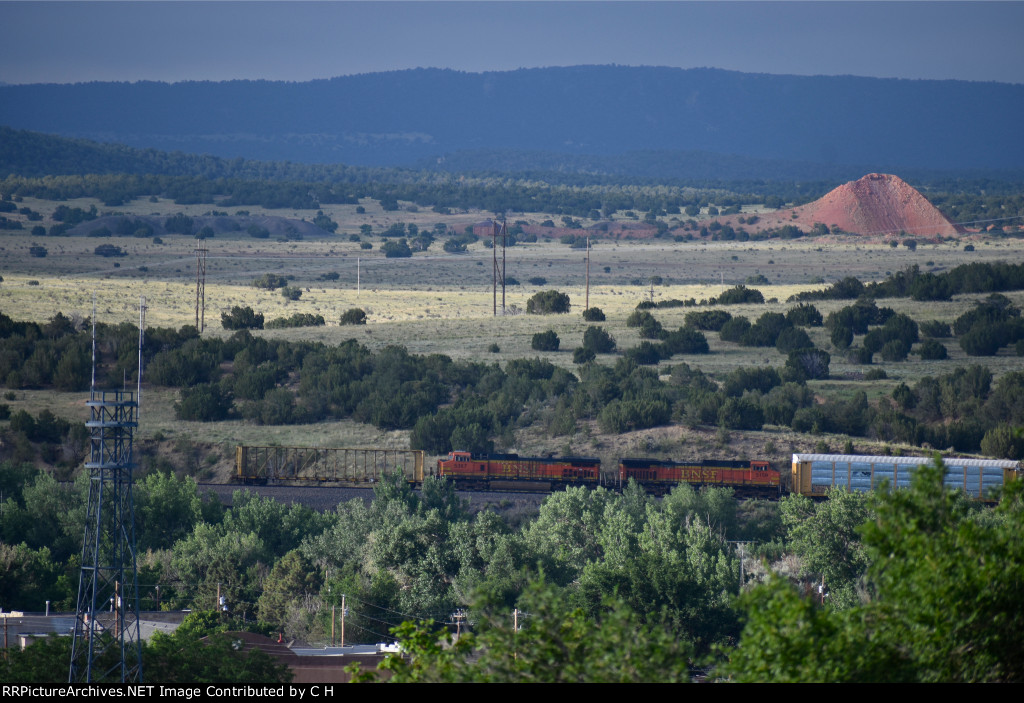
(514, 472)
(749, 478)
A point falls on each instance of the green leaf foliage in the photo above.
(939, 602)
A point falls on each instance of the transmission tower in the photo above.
(499, 271)
(106, 644)
(200, 288)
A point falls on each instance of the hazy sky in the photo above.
(67, 42)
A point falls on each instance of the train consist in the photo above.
(811, 474)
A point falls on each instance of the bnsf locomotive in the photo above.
(750, 478)
(514, 472)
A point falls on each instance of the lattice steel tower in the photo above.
(201, 287)
(107, 645)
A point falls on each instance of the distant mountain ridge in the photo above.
(408, 117)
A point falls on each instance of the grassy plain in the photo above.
(443, 303)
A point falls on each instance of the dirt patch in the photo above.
(877, 205)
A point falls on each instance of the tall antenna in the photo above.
(499, 273)
(142, 340)
(107, 645)
(201, 287)
(92, 385)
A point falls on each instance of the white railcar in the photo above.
(815, 474)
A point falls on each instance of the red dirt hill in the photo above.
(876, 205)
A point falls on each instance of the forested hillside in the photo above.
(401, 117)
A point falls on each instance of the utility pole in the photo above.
(499, 272)
(588, 274)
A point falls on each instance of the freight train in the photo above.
(811, 474)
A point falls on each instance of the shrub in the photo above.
(493, 348)
(548, 302)
(324, 222)
(38, 252)
(685, 341)
(754, 379)
(984, 339)
(804, 315)
(353, 316)
(270, 281)
(738, 295)
(806, 364)
(734, 329)
(1003, 442)
(180, 224)
(545, 341)
(842, 337)
(537, 281)
(598, 341)
(299, 319)
(241, 319)
(594, 315)
(709, 320)
(396, 249)
(639, 318)
(792, 338)
(876, 375)
(860, 355)
(936, 329)
(645, 354)
(932, 350)
(894, 350)
(766, 330)
(582, 355)
(204, 403)
(291, 293)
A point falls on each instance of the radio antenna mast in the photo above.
(107, 644)
(142, 340)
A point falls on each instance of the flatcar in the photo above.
(749, 478)
(514, 472)
(350, 465)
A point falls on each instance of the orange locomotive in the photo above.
(749, 478)
(514, 472)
